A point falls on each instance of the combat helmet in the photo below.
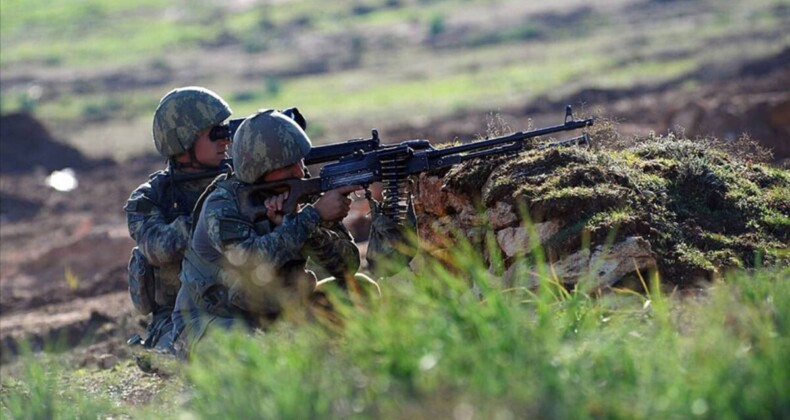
(265, 141)
(182, 114)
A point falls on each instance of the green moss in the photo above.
(694, 258)
(702, 208)
(534, 173)
(777, 224)
(470, 176)
(571, 203)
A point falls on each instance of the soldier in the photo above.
(159, 211)
(240, 272)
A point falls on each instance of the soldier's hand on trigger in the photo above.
(274, 207)
(335, 204)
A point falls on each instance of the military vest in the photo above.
(172, 199)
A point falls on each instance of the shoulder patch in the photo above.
(139, 204)
(231, 230)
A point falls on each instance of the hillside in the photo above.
(94, 72)
(671, 182)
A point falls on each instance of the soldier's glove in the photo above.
(391, 245)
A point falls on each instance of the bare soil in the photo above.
(64, 254)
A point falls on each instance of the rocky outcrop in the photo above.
(442, 211)
(684, 209)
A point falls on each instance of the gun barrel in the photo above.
(574, 141)
(513, 138)
(335, 151)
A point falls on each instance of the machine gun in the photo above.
(393, 164)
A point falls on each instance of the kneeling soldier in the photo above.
(159, 212)
(239, 271)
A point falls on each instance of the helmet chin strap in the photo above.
(193, 163)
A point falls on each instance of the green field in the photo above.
(90, 66)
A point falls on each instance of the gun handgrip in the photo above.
(298, 189)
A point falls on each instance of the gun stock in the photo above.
(251, 197)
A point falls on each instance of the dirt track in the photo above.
(64, 255)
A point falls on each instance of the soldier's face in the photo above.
(210, 153)
(293, 171)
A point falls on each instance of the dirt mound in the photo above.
(64, 255)
(691, 209)
(26, 144)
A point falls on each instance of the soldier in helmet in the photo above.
(159, 211)
(242, 272)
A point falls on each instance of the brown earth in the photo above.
(63, 255)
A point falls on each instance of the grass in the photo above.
(430, 347)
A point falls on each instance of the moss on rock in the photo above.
(703, 208)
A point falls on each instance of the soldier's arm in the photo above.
(333, 248)
(159, 241)
(233, 234)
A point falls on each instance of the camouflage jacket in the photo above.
(258, 265)
(159, 214)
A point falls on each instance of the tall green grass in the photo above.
(434, 346)
(430, 347)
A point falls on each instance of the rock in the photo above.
(107, 361)
(435, 232)
(470, 217)
(433, 198)
(429, 197)
(606, 266)
(459, 203)
(660, 194)
(501, 216)
(516, 241)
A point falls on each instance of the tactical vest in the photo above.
(172, 200)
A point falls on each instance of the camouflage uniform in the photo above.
(243, 272)
(159, 219)
(159, 212)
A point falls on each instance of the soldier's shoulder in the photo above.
(148, 194)
(159, 178)
(224, 190)
(222, 195)
(156, 181)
